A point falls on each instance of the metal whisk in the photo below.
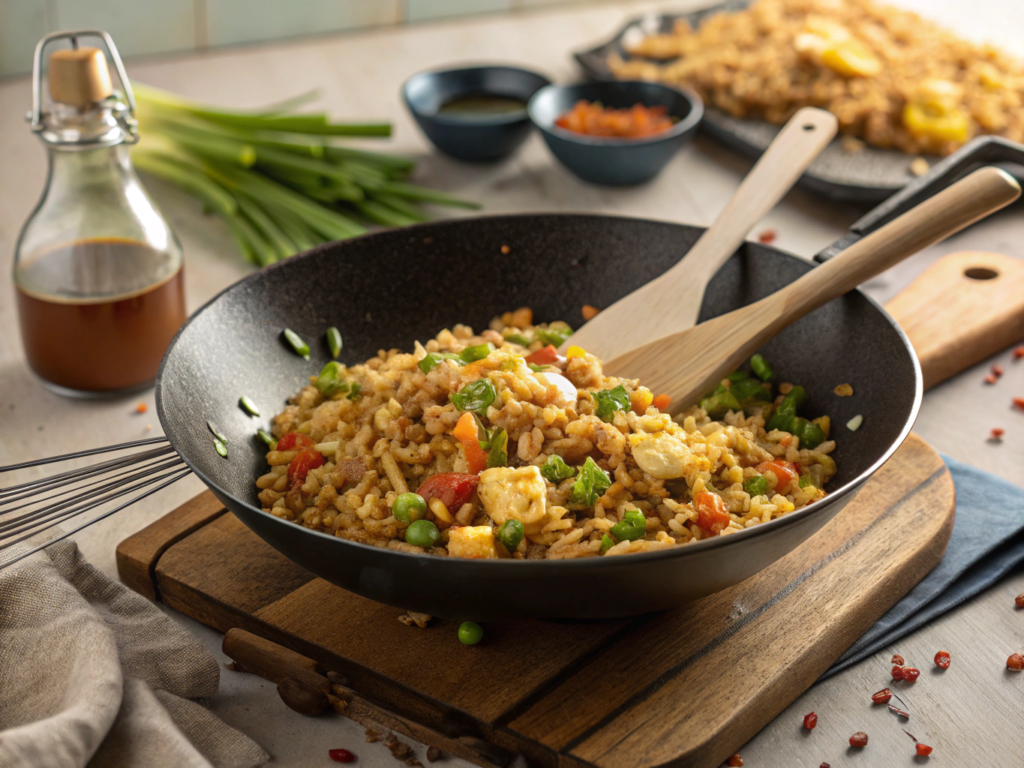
(35, 507)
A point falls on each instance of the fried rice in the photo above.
(581, 463)
(891, 77)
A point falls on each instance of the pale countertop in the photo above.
(974, 712)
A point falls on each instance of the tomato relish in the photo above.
(594, 119)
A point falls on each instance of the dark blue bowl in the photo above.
(478, 138)
(615, 161)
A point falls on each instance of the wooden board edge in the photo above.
(137, 555)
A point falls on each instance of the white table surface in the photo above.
(971, 715)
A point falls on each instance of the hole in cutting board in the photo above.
(808, 126)
(980, 273)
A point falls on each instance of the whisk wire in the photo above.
(34, 507)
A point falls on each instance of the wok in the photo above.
(392, 288)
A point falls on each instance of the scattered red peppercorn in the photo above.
(897, 672)
(942, 659)
(923, 750)
(997, 433)
(881, 696)
(1015, 662)
(141, 408)
(766, 237)
(1019, 600)
(810, 720)
(990, 379)
(1019, 402)
(824, 765)
(735, 761)
(1018, 353)
(997, 370)
(910, 674)
(897, 659)
(341, 756)
(859, 739)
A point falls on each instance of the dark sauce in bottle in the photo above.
(88, 338)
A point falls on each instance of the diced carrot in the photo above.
(785, 473)
(544, 356)
(589, 312)
(712, 514)
(466, 433)
(1018, 353)
(1019, 402)
(661, 402)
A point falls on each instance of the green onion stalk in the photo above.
(276, 176)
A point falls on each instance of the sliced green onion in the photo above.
(267, 438)
(295, 341)
(632, 527)
(222, 449)
(760, 367)
(476, 352)
(607, 542)
(511, 533)
(334, 342)
(216, 432)
(248, 405)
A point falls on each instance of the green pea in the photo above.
(607, 542)
(760, 367)
(632, 527)
(510, 534)
(422, 533)
(470, 633)
(409, 507)
(476, 352)
(756, 486)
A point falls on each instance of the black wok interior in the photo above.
(393, 288)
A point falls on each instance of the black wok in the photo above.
(389, 289)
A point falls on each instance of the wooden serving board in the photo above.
(685, 687)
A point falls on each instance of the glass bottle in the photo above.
(97, 269)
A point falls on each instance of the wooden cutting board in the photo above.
(685, 687)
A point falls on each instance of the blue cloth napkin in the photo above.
(987, 542)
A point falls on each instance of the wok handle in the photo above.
(970, 199)
(961, 310)
(982, 151)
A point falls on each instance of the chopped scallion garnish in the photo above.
(334, 342)
(216, 432)
(248, 406)
(267, 438)
(222, 449)
(295, 341)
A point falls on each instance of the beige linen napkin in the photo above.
(94, 674)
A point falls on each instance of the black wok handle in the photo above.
(984, 150)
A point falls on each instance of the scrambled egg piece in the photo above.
(519, 494)
(472, 541)
(662, 456)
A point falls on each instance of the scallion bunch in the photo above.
(276, 176)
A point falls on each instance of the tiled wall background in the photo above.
(164, 26)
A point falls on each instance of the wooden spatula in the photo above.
(689, 364)
(672, 302)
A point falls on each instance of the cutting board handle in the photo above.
(964, 308)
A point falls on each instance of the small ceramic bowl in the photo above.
(476, 137)
(615, 161)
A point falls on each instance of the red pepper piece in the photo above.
(452, 488)
(910, 674)
(897, 672)
(306, 460)
(882, 696)
(294, 440)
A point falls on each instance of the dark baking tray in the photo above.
(870, 175)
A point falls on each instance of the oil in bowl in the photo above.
(477, 114)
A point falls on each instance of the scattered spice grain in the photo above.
(882, 696)
(767, 237)
(810, 720)
(1015, 662)
(910, 674)
(735, 761)
(1019, 600)
(341, 756)
(923, 750)
(942, 659)
(897, 659)
(859, 739)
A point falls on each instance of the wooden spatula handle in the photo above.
(972, 198)
(962, 309)
(794, 148)
(671, 303)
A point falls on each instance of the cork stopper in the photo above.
(79, 76)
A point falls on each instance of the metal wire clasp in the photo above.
(36, 115)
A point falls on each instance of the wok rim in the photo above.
(636, 559)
